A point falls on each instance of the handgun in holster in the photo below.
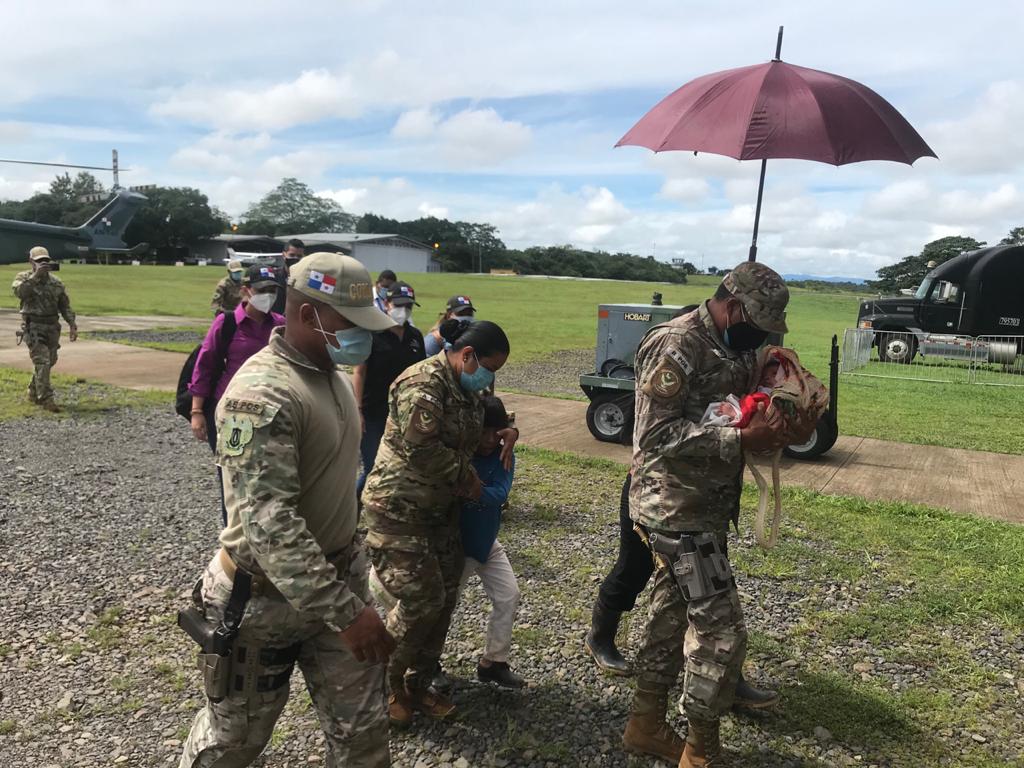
(216, 640)
(697, 563)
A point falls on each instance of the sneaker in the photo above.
(499, 673)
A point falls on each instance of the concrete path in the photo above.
(974, 482)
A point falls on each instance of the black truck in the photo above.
(978, 293)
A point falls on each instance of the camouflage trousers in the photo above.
(709, 634)
(420, 576)
(348, 695)
(43, 341)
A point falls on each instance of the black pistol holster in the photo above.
(697, 563)
(216, 640)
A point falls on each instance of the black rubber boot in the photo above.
(600, 640)
(749, 697)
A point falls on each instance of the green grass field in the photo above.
(542, 316)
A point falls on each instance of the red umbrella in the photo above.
(778, 110)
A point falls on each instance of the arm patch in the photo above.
(681, 361)
(424, 422)
(666, 381)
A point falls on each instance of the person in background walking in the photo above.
(232, 339)
(228, 292)
(385, 280)
(393, 351)
(458, 307)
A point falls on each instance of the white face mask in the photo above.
(400, 314)
(262, 301)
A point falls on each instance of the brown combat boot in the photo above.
(432, 704)
(400, 709)
(703, 747)
(646, 732)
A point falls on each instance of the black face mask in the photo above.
(743, 337)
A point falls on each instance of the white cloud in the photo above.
(899, 198)
(472, 137)
(437, 211)
(415, 124)
(314, 95)
(960, 205)
(686, 190)
(989, 139)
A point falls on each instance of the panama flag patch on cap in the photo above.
(266, 272)
(321, 282)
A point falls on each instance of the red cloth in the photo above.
(748, 407)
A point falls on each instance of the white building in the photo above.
(377, 252)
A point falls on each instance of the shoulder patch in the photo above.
(424, 422)
(235, 434)
(666, 381)
(680, 360)
(243, 406)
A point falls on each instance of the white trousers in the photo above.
(499, 583)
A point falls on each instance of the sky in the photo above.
(508, 113)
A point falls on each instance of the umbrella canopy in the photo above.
(779, 110)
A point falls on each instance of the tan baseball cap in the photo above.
(763, 293)
(342, 283)
(234, 265)
(38, 252)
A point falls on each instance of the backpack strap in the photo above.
(224, 337)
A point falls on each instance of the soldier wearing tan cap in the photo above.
(685, 490)
(44, 299)
(288, 445)
(228, 293)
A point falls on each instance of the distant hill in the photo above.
(820, 279)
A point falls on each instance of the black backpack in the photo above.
(183, 398)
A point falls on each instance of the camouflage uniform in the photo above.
(411, 511)
(43, 297)
(226, 296)
(288, 445)
(687, 478)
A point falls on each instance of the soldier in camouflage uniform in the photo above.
(687, 481)
(412, 499)
(228, 293)
(43, 297)
(288, 445)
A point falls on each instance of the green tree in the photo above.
(908, 272)
(1016, 237)
(172, 217)
(292, 208)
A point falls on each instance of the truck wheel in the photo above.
(610, 417)
(819, 442)
(896, 347)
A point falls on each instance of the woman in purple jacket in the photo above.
(232, 339)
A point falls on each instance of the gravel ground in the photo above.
(154, 335)
(556, 374)
(105, 523)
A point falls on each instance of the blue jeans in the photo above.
(368, 449)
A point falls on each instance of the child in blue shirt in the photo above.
(485, 556)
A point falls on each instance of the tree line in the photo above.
(172, 218)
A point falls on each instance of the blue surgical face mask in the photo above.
(479, 380)
(236, 276)
(354, 344)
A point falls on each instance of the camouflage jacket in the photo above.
(288, 445)
(686, 477)
(42, 297)
(432, 433)
(226, 296)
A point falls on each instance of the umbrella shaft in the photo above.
(757, 213)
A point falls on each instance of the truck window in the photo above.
(946, 293)
(922, 290)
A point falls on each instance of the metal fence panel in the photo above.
(998, 361)
(905, 355)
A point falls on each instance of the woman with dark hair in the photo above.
(412, 499)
